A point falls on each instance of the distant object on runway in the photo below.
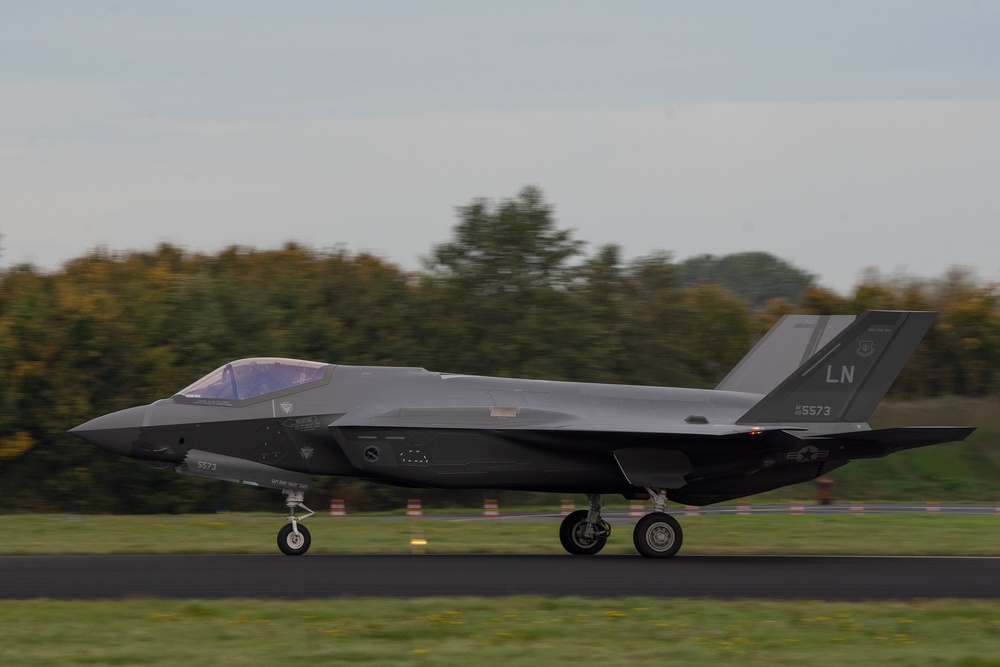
(792, 410)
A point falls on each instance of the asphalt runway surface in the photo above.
(323, 576)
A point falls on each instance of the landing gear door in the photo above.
(653, 467)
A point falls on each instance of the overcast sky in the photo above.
(836, 135)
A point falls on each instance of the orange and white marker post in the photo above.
(637, 509)
(857, 508)
(933, 508)
(414, 509)
(743, 509)
(692, 510)
(491, 509)
(567, 507)
(337, 508)
(796, 508)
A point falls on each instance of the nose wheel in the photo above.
(293, 538)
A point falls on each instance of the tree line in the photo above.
(510, 294)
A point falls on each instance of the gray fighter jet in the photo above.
(793, 409)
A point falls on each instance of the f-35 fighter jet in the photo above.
(793, 409)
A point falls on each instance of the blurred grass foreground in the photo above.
(513, 631)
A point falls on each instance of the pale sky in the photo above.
(835, 135)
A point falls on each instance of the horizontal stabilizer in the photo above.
(912, 436)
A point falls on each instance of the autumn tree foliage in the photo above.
(510, 294)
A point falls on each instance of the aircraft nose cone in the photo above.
(115, 432)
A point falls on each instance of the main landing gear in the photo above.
(584, 532)
(293, 539)
(656, 535)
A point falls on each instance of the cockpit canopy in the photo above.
(249, 378)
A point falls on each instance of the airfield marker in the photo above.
(637, 509)
(857, 508)
(743, 509)
(418, 544)
(796, 509)
(933, 507)
(491, 509)
(567, 507)
(692, 510)
(414, 509)
(337, 508)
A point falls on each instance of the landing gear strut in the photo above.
(584, 532)
(293, 539)
(657, 535)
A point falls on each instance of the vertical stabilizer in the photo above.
(788, 345)
(845, 380)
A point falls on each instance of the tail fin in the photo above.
(847, 378)
(788, 345)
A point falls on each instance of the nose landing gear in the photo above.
(293, 539)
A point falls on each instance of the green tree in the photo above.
(970, 328)
(599, 295)
(755, 276)
(823, 301)
(681, 336)
(511, 248)
(500, 292)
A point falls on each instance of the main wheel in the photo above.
(657, 535)
(292, 543)
(573, 534)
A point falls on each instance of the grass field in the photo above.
(868, 534)
(515, 630)
(509, 631)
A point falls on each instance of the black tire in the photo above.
(571, 534)
(292, 544)
(657, 535)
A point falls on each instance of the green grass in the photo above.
(509, 631)
(869, 534)
(513, 631)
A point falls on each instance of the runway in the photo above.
(321, 576)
